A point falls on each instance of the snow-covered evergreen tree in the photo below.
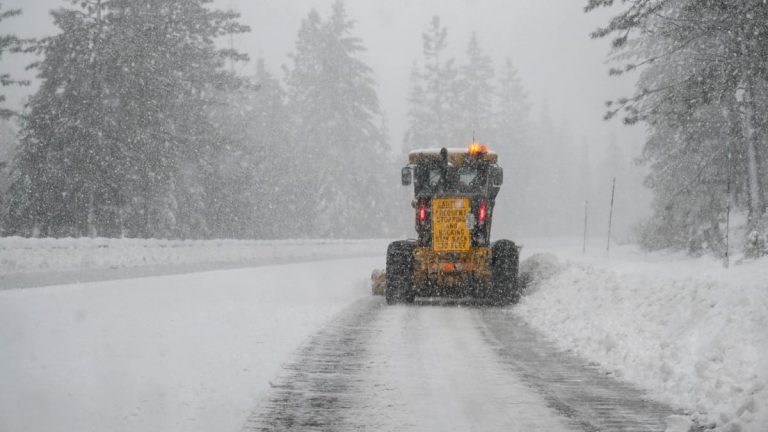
(475, 97)
(512, 124)
(9, 43)
(703, 93)
(336, 130)
(434, 94)
(512, 115)
(244, 181)
(123, 105)
(512, 130)
(61, 159)
(547, 189)
(268, 131)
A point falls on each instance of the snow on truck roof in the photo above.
(456, 155)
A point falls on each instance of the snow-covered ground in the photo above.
(197, 351)
(436, 372)
(23, 255)
(691, 332)
(174, 353)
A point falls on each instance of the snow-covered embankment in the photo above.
(692, 333)
(23, 255)
(184, 352)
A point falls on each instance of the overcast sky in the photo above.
(548, 40)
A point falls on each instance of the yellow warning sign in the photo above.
(449, 224)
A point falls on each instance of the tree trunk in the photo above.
(91, 217)
(749, 133)
(761, 148)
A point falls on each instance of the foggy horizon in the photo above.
(562, 69)
(548, 42)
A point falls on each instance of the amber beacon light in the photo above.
(475, 149)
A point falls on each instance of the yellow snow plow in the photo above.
(452, 256)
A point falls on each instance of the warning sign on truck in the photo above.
(449, 224)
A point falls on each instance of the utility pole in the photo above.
(584, 243)
(727, 259)
(610, 217)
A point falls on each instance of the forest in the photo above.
(142, 127)
(702, 94)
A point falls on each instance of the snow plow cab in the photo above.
(454, 196)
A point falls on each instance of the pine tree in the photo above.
(304, 103)
(337, 130)
(512, 123)
(433, 97)
(703, 69)
(169, 39)
(244, 182)
(476, 97)
(268, 131)
(689, 178)
(512, 133)
(55, 171)
(9, 43)
(126, 90)
(546, 174)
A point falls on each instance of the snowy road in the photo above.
(290, 347)
(445, 367)
(180, 352)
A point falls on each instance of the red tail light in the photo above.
(422, 211)
(482, 212)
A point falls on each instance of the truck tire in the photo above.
(399, 273)
(505, 261)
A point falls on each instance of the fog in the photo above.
(559, 65)
(548, 41)
(368, 215)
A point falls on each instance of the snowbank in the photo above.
(22, 255)
(692, 333)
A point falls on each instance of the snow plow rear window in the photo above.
(430, 180)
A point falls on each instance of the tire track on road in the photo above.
(319, 389)
(590, 398)
(445, 367)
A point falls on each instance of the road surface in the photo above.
(217, 350)
(445, 367)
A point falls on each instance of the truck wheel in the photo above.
(399, 273)
(505, 260)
